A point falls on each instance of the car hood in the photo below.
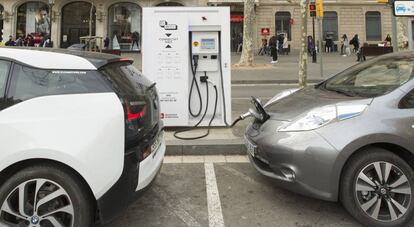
(304, 100)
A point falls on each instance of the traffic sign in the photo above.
(403, 8)
(319, 8)
(265, 31)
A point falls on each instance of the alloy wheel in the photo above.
(383, 191)
(38, 202)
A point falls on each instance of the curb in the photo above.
(218, 149)
(313, 81)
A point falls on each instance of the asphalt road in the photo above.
(182, 196)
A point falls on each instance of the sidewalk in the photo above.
(285, 71)
(229, 141)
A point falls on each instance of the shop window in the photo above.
(330, 25)
(124, 26)
(75, 22)
(282, 22)
(32, 18)
(373, 26)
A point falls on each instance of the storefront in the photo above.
(124, 26)
(75, 22)
(33, 19)
(236, 30)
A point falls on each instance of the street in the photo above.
(178, 197)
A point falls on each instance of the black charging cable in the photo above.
(194, 80)
(202, 118)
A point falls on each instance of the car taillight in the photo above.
(134, 110)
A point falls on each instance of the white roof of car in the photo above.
(46, 59)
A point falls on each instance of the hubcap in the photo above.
(35, 220)
(383, 191)
(37, 202)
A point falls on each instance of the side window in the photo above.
(4, 71)
(29, 83)
(408, 101)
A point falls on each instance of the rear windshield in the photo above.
(125, 79)
(29, 83)
(372, 79)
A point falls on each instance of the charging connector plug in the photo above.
(195, 60)
(203, 79)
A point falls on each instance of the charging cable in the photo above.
(207, 81)
(194, 81)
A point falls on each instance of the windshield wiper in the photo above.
(342, 92)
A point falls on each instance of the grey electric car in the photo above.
(349, 138)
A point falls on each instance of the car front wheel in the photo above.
(44, 196)
(377, 188)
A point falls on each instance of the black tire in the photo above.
(83, 214)
(349, 195)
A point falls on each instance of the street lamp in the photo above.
(51, 3)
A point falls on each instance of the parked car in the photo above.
(80, 137)
(349, 138)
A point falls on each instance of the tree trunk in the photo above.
(303, 56)
(402, 30)
(90, 19)
(247, 57)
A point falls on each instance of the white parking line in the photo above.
(215, 214)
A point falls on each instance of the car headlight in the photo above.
(322, 116)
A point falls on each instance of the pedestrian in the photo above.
(285, 45)
(273, 43)
(311, 45)
(263, 47)
(345, 50)
(280, 43)
(239, 43)
(355, 42)
(30, 41)
(135, 40)
(329, 43)
(19, 41)
(106, 43)
(360, 53)
(388, 40)
(10, 42)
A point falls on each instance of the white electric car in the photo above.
(80, 137)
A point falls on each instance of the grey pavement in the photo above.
(248, 81)
(178, 198)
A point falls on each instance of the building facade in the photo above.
(121, 20)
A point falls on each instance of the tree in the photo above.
(303, 54)
(247, 56)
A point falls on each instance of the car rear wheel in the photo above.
(44, 196)
(377, 188)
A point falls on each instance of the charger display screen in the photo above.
(208, 44)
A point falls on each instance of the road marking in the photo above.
(215, 214)
(178, 209)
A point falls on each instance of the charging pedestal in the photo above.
(186, 51)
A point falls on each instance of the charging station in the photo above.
(186, 51)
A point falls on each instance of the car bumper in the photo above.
(300, 161)
(136, 178)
